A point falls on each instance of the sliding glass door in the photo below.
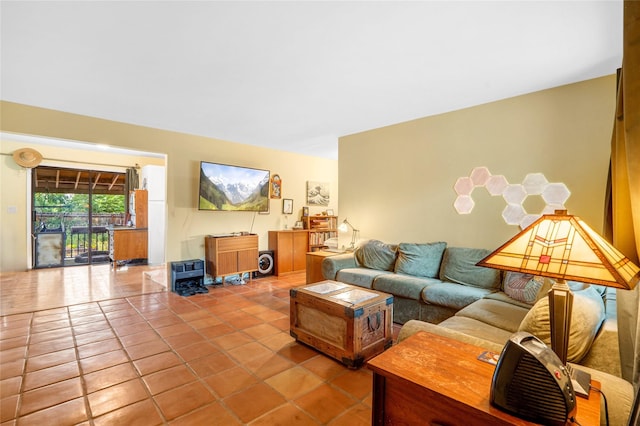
(71, 210)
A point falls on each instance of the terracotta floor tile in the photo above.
(8, 333)
(358, 415)
(297, 352)
(277, 341)
(184, 339)
(142, 413)
(68, 413)
(324, 367)
(157, 362)
(136, 339)
(174, 330)
(147, 349)
(261, 330)
(12, 369)
(170, 378)
(125, 330)
(10, 386)
(44, 336)
(325, 402)
(50, 375)
(86, 319)
(287, 414)
(96, 336)
(116, 396)
(266, 366)
(51, 346)
(107, 377)
(208, 321)
(96, 348)
(283, 323)
(51, 395)
(50, 359)
(232, 340)
(197, 350)
(216, 330)
(211, 364)
(91, 327)
(179, 401)
(50, 325)
(356, 382)
(105, 360)
(249, 351)
(8, 408)
(13, 354)
(165, 321)
(254, 401)
(129, 319)
(203, 416)
(294, 382)
(13, 342)
(230, 381)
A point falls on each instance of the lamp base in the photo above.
(581, 381)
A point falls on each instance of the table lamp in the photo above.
(563, 247)
(344, 227)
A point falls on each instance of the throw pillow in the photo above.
(375, 254)
(522, 287)
(586, 318)
(420, 260)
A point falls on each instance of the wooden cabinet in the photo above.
(127, 244)
(321, 228)
(289, 250)
(431, 379)
(230, 255)
(139, 208)
(314, 265)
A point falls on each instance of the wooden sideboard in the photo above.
(231, 255)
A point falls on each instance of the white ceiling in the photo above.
(296, 75)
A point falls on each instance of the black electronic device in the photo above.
(531, 382)
(265, 264)
(187, 277)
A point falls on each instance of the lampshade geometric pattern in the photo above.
(563, 247)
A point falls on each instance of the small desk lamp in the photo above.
(344, 227)
(563, 247)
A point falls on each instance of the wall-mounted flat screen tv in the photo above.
(233, 188)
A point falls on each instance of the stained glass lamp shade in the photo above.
(563, 247)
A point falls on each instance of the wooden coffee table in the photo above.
(348, 323)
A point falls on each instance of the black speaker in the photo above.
(531, 382)
(266, 264)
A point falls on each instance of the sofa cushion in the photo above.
(362, 277)
(459, 266)
(476, 328)
(452, 295)
(502, 297)
(402, 285)
(495, 313)
(522, 287)
(586, 318)
(420, 260)
(375, 254)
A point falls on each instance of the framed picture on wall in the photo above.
(305, 211)
(287, 206)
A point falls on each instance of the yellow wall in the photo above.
(186, 226)
(396, 182)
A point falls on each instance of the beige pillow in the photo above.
(586, 318)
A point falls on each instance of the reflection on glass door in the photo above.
(72, 210)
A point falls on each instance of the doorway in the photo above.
(71, 212)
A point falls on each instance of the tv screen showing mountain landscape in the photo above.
(233, 188)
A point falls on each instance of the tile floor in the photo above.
(93, 346)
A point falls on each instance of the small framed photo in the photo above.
(305, 211)
(287, 206)
(329, 212)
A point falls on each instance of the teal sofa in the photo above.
(440, 289)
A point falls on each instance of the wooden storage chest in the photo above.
(345, 322)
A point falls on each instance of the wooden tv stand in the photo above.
(231, 255)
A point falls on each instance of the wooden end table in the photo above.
(431, 379)
(314, 264)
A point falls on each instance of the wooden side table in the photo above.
(314, 265)
(430, 379)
